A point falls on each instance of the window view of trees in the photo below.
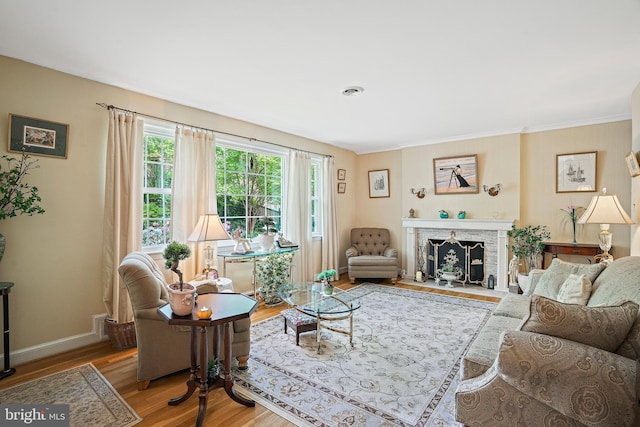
(158, 173)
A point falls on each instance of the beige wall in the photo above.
(635, 188)
(55, 259)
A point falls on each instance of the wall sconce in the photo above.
(419, 193)
(493, 191)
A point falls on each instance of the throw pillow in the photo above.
(553, 278)
(575, 290)
(601, 327)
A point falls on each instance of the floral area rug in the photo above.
(92, 400)
(402, 370)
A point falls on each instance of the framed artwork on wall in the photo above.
(36, 136)
(632, 164)
(456, 175)
(342, 187)
(379, 183)
(576, 172)
(342, 174)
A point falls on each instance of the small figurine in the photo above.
(412, 213)
(242, 245)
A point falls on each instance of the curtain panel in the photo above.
(298, 214)
(122, 227)
(330, 242)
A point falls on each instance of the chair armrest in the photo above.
(534, 277)
(149, 314)
(582, 382)
(351, 252)
(391, 253)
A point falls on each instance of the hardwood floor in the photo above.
(119, 368)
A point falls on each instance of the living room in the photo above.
(55, 259)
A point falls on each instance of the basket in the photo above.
(122, 335)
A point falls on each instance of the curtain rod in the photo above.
(113, 107)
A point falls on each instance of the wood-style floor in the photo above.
(119, 368)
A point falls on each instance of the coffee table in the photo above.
(309, 299)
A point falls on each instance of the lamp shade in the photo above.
(209, 228)
(605, 209)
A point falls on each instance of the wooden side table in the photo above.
(5, 288)
(555, 249)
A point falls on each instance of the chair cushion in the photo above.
(370, 241)
(602, 327)
(296, 318)
(373, 261)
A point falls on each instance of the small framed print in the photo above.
(342, 187)
(632, 164)
(342, 174)
(576, 172)
(36, 136)
(379, 183)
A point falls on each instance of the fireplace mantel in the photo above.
(497, 229)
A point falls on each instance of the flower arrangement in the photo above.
(273, 272)
(573, 214)
(450, 264)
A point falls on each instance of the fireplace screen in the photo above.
(469, 256)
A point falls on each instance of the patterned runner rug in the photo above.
(92, 400)
(402, 370)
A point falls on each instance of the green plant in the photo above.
(173, 254)
(327, 274)
(16, 196)
(267, 224)
(272, 273)
(528, 243)
(450, 264)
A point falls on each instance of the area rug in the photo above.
(92, 400)
(402, 370)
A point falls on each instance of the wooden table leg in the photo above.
(204, 386)
(228, 381)
(193, 377)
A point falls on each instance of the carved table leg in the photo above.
(228, 381)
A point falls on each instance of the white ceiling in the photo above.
(432, 71)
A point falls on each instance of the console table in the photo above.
(555, 249)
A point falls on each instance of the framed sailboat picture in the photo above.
(576, 172)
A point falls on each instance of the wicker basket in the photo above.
(122, 335)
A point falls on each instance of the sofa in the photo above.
(370, 256)
(565, 352)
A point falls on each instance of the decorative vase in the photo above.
(265, 241)
(444, 215)
(181, 301)
(327, 288)
(574, 233)
(461, 215)
(449, 277)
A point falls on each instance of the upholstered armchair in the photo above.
(370, 256)
(162, 348)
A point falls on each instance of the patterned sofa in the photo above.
(566, 352)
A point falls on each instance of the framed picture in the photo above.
(342, 187)
(36, 136)
(456, 175)
(342, 174)
(576, 172)
(632, 164)
(379, 183)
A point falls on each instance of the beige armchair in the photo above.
(163, 348)
(370, 255)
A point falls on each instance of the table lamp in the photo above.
(605, 209)
(208, 229)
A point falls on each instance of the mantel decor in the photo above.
(379, 183)
(36, 136)
(456, 175)
(576, 172)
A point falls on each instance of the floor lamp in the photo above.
(209, 229)
(605, 209)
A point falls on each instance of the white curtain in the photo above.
(122, 227)
(193, 191)
(298, 214)
(330, 242)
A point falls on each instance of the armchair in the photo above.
(370, 256)
(163, 348)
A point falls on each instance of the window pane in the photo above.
(235, 160)
(167, 176)
(153, 175)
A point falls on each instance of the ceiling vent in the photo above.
(352, 91)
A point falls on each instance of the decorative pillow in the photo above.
(601, 327)
(575, 290)
(553, 278)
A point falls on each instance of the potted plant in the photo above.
(16, 196)
(265, 239)
(273, 272)
(325, 277)
(181, 295)
(528, 243)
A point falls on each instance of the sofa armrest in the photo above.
(534, 277)
(584, 383)
(351, 252)
(391, 253)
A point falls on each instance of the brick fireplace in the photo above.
(492, 233)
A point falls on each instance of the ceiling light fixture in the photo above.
(352, 91)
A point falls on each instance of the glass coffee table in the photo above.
(308, 298)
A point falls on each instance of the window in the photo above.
(316, 191)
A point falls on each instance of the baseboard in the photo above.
(51, 348)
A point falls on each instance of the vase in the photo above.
(449, 277)
(181, 301)
(461, 215)
(444, 215)
(574, 233)
(265, 241)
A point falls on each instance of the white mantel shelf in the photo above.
(497, 227)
